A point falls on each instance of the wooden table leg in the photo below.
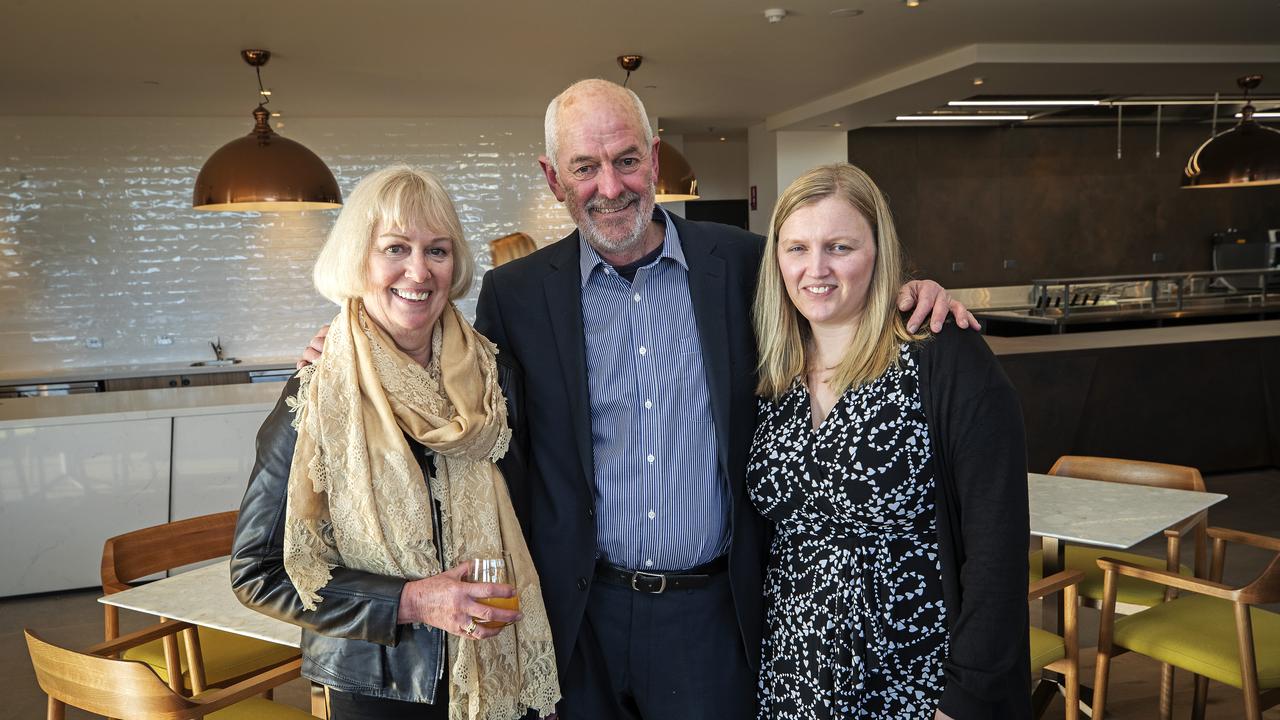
(320, 701)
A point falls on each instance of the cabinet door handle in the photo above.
(186, 381)
(173, 383)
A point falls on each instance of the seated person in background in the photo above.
(893, 466)
(376, 480)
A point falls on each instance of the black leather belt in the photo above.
(657, 583)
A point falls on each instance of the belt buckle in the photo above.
(662, 585)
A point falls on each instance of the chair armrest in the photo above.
(1168, 579)
(138, 637)
(1054, 583)
(214, 700)
(1245, 538)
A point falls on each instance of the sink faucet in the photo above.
(217, 348)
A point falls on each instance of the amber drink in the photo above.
(493, 570)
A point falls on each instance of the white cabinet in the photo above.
(212, 458)
(65, 488)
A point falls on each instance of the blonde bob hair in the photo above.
(402, 197)
(783, 334)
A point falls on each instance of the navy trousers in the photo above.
(673, 656)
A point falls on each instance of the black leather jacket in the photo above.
(351, 642)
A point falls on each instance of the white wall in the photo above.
(801, 151)
(721, 167)
(98, 238)
(762, 173)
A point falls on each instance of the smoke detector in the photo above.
(775, 15)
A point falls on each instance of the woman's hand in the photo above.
(446, 602)
(929, 299)
(311, 353)
(939, 715)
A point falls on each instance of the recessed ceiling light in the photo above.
(1020, 103)
(265, 93)
(836, 124)
(912, 3)
(978, 81)
(275, 114)
(659, 129)
(966, 118)
(722, 138)
(846, 12)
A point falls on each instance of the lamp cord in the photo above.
(628, 77)
(263, 97)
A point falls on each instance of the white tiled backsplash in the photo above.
(98, 239)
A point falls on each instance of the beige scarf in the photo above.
(357, 497)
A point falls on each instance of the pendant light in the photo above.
(676, 179)
(262, 171)
(1247, 155)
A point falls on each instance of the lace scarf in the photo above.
(357, 497)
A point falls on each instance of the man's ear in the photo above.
(553, 180)
(653, 155)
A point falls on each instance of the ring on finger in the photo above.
(470, 627)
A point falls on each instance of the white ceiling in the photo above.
(708, 63)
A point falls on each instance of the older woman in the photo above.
(893, 466)
(376, 479)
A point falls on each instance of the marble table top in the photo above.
(1106, 514)
(203, 597)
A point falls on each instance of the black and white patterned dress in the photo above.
(854, 610)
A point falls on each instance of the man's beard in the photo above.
(595, 236)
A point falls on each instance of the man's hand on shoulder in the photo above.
(928, 299)
(311, 353)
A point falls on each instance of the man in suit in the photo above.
(633, 335)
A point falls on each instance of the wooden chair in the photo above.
(208, 657)
(1059, 653)
(1214, 632)
(510, 247)
(131, 690)
(1133, 595)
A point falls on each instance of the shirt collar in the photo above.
(589, 259)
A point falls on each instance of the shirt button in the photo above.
(652, 514)
(591, 512)
(582, 583)
(636, 297)
(648, 563)
(648, 404)
(650, 458)
(643, 350)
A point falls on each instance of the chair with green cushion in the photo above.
(92, 681)
(220, 658)
(1132, 594)
(1059, 653)
(1212, 630)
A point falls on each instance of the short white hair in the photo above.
(551, 125)
(402, 197)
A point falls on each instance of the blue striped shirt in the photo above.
(661, 503)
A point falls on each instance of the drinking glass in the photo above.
(493, 570)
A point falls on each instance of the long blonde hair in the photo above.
(783, 334)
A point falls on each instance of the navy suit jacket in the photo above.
(531, 309)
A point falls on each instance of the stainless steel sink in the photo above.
(211, 363)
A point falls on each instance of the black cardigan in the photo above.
(980, 463)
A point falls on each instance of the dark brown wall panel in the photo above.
(1055, 200)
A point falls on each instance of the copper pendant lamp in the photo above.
(1247, 155)
(676, 179)
(262, 171)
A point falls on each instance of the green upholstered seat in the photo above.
(1045, 648)
(1128, 590)
(256, 708)
(1198, 633)
(225, 656)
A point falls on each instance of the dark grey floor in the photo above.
(1253, 504)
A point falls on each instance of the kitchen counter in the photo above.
(138, 404)
(36, 377)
